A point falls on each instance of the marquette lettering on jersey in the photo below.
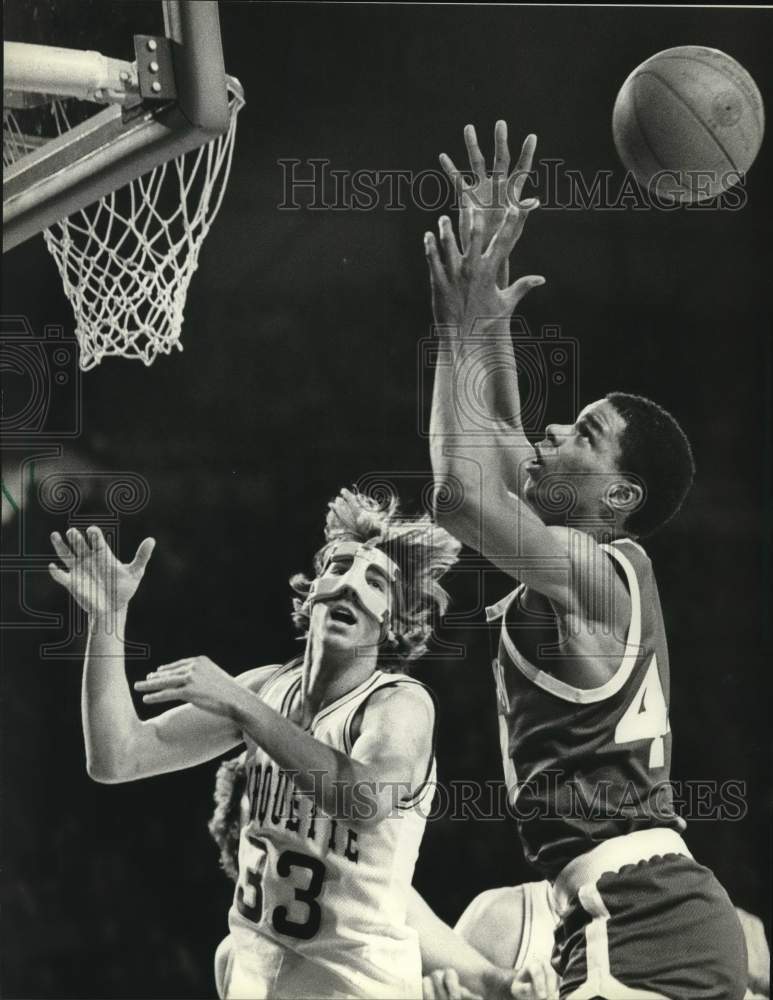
(312, 882)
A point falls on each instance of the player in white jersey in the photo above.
(503, 939)
(339, 749)
(320, 908)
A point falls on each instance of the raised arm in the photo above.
(491, 195)
(392, 745)
(119, 745)
(485, 463)
(476, 424)
(469, 441)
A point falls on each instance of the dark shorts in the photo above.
(660, 928)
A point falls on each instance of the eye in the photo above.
(336, 569)
(377, 583)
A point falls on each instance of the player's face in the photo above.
(576, 464)
(348, 624)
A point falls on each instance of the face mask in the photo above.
(363, 558)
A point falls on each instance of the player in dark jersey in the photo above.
(513, 927)
(582, 668)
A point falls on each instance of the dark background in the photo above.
(299, 375)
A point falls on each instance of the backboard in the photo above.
(120, 162)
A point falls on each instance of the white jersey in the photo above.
(320, 903)
(538, 922)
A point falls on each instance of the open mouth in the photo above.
(340, 613)
(537, 462)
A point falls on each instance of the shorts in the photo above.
(660, 928)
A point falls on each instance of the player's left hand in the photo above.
(443, 984)
(196, 680)
(493, 193)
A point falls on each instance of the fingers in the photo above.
(159, 682)
(506, 236)
(510, 230)
(62, 549)
(531, 983)
(142, 556)
(449, 244)
(443, 984)
(522, 168)
(437, 273)
(177, 665)
(454, 175)
(77, 542)
(501, 149)
(171, 694)
(165, 684)
(515, 292)
(476, 234)
(96, 540)
(501, 165)
(453, 988)
(428, 991)
(477, 163)
(452, 985)
(59, 575)
(539, 983)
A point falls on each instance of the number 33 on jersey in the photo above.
(329, 892)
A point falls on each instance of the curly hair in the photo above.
(423, 552)
(655, 449)
(225, 824)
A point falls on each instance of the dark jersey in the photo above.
(585, 765)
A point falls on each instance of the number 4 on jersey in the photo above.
(646, 718)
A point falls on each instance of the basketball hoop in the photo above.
(122, 165)
(127, 260)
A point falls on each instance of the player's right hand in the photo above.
(98, 581)
(465, 294)
(535, 981)
(443, 984)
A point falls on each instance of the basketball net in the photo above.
(127, 260)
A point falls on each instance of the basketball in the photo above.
(688, 123)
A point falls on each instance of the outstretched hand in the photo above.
(196, 680)
(493, 193)
(98, 581)
(464, 287)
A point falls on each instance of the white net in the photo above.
(126, 261)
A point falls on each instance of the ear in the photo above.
(624, 497)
